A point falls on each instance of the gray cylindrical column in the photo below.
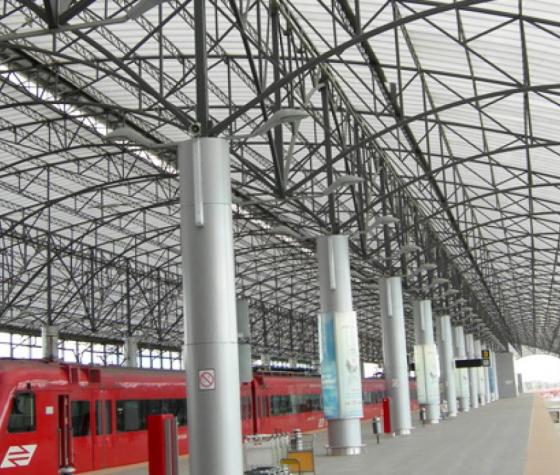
(130, 352)
(473, 372)
(447, 362)
(265, 361)
(49, 338)
(494, 377)
(480, 374)
(426, 363)
(462, 374)
(340, 358)
(487, 391)
(209, 308)
(394, 353)
(244, 339)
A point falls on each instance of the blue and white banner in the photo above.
(340, 365)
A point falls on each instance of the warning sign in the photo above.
(207, 379)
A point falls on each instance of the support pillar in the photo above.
(213, 407)
(480, 374)
(394, 353)
(493, 376)
(130, 351)
(487, 371)
(487, 383)
(462, 374)
(244, 338)
(49, 337)
(473, 372)
(506, 379)
(340, 357)
(426, 361)
(447, 362)
(265, 362)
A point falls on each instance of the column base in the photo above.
(452, 414)
(403, 432)
(334, 451)
(434, 421)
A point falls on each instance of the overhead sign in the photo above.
(486, 358)
(207, 379)
(474, 363)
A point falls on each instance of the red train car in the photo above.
(55, 416)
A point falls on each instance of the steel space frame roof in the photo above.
(449, 111)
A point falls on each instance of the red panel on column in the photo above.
(386, 416)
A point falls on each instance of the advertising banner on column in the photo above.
(340, 365)
(426, 367)
(328, 366)
(492, 380)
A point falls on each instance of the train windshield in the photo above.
(22, 417)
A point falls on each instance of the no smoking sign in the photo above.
(207, 379)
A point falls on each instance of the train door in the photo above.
(103, 431)
(65, 452)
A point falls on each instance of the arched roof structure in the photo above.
(448, 111)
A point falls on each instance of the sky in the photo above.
(539, 368)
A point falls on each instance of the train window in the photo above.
(22, 417)
(80, 418)
(280, 405)
(133, 415)
(177, 407)
(129, 417)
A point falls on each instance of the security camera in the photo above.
(196, 128)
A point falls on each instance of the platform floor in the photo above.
(508, 437)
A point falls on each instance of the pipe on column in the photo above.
(426, 363)
(394, 353)
(209, 308)
(340, 357)
(447, 362)
(462, 374)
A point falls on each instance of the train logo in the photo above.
(18, 456)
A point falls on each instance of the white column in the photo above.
(49, 337)
(209, 308)
(480, 374)
(488, 392)
(473, 372)
(426, 361)
(340, 356)
(130, 352)
(493, 377)
(394, 353)
(462, 374)
(447, 362)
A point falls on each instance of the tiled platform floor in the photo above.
(507, 437)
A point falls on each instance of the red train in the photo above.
(55, 415)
